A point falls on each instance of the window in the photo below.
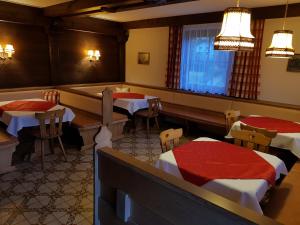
(202, 68)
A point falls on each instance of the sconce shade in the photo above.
(235, 34)
(281, 45)
(93, 55)
(97, 54)
(90, 54)
(9, 50)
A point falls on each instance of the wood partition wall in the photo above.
(130, 191)
(53, 51)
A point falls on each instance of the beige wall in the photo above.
(277, 84)
(155, 41)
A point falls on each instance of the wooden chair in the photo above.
(231, 116)
(251, 139)
(50, 128)
(169, 139)
(51, 96)
(268, 133)
(151, 112)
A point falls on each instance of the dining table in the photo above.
(17, 114)
(288, 132)
(236, 173)
(129, 101)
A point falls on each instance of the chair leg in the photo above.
(156, 122)
(62, 148)
(51, 146)
(148, 127)
(42, 154)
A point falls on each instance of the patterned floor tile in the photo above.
(62, 193)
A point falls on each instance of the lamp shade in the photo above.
(97, 54)
(235, 33)
(281, 45)
(1, 49)
(9, 50)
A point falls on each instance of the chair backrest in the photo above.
(251, 139)
(231, 116)
(51, 96)
(170, 138)
(268, 133)
(50, 123)
(154, 107)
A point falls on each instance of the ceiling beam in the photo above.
(90, 7)
(83, 6)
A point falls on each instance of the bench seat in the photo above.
(194, 114)
(8, 145)
(88, 125)
(285, 201)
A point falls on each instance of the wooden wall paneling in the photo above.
(72, 64)
(30, 63)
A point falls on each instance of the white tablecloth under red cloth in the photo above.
(131, 104)
(16, 120)
(246, 192)
(287, 141)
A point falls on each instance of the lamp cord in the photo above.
(285, 13)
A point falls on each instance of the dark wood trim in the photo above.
(88, 84)
(82, 6)
(213, 17)
(260, 102)
(90, 7)
(5, 90)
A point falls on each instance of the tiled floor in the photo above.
(63, 192)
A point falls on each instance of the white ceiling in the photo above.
(37, 3)
(193, 7)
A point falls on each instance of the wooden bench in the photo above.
(285, 201)
(8, 145)
(193, 114)
(88, 125)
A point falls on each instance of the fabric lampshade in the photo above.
(235, 33)
(281, 45)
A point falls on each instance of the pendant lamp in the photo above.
(235, 33)
(282, 42)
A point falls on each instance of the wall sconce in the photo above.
(94, 55)
(7, 52)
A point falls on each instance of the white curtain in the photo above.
(202, 68)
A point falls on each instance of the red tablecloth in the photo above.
(128, 95)
(281, 126)
(202, 161)
(26, 106)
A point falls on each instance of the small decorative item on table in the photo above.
(294, 63)
(144, 58)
